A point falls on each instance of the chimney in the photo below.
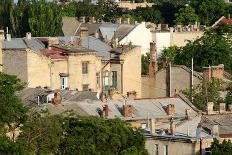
(207, 73)
(93, 20)
(188, 114)
(168, 80)
(171, 29)
(127, 21)
(230, 107)
(217, 71)
(57, 98)
(198, 131)
(53, 41)
(106, 110)
(28, 35)
(82, 19)
(222, 108)
(96, 35)
(2, 37)
(172, 127)
(215, 130)
(103, 97)
(110, 93)
(170, 109)
(153, 60)
(127, 110)
(131, 95)
(8, 37)
(210, 108)
(152, 126)
(84, 32)
(119, 21)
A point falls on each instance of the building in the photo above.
(122, 32)
(228, 1)
(76, 63)
(222, 20)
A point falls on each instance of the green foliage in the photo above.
(92, 135)
(206, 91)
(145, 60)
(107, 9)
(69, 9)
(44, 18)
(186, 16)
(211, 49)
(228, 99)
(224, 148)
(11, 108)
(209, 10)
(168, 55)
(9, 147)
(41, 135)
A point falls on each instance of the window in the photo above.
(165, 149)
(106, 80)
(85, 67)
(98, 79)
(64, 82)
(156, 149)
(114, 79)
(85, 87)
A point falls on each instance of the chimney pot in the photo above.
(28, 35)
(57, 98)
(170, 109)
(222, 108)
(131, 95)
(210, 108)
(84, 32)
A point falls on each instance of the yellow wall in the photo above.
(132, 71)
(181, 38)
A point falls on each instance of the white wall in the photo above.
(140, 36)
(162, 39)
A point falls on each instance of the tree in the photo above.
(211, 49)
(224, 148)
(92, 135)
(208, 10)
(206, 91)
(145, 60)
(108, 9)
(186, 16)
(11, 108)
(45, 19)
(41, 135)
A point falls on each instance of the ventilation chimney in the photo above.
(152, 126)
(215, 130)
(2, 37)
(222, 108)
(84, 32)
(28, 35)
(153, 60)
(131, 95)
(188, 114)
(172, 127)
(170, 109)
(82, 19)
(8, 37)
(230, 107)
(210, 108)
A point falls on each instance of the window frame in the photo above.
(85, 67)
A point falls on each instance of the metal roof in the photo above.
(23, 43)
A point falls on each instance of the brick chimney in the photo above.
(213, 72)
(131, 95)
(57, 98)
(170, 109)
(210, 108)
(188, 114)
(106, 110)
(127, 110)
(153, 60)
(222, 108)
(172, 127)
(84, 32)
